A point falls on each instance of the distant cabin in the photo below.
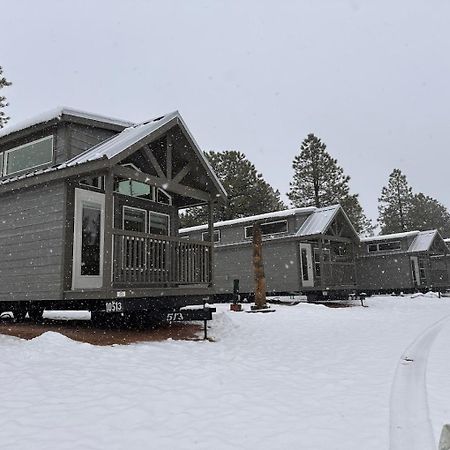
(309, 250)
(89, 212)
(414, 260)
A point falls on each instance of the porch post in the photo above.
(322, 268)
(211, 240)
(108, 245)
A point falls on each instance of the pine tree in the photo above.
(426, 213)
(248, 192)
(319, 181)
(355, 212)
(3, 83)
(395, 204)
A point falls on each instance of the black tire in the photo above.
(19, 313)
(35, 314)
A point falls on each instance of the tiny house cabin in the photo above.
(410, 261)
(308, 250)
(89, 213)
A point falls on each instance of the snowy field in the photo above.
(304, 377)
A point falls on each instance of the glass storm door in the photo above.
(87, 271)
(415, 270)
(306, 265)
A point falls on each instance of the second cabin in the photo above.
(308, 250)
(410, 261)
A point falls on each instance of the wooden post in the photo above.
(258, 269)
(107, 245)
(169, 156)
(211, 240)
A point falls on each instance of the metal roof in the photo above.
(423, 241)
(271, 215)
(57, 114)
(120, 142)
(319, 221)
(386, 237)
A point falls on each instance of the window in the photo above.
(27, 156)
(96, 182)
(133, 188)
(317, 262)
(384, 247)
(216, 236)
(163, 197)
(159, 224)
(268, 228)
(134, 219)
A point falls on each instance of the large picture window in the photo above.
(268, 228)
(384, 247)
(27, 156)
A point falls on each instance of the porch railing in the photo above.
(142, 259)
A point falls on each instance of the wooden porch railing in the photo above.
(141, 259)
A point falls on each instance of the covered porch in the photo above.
(125, 216)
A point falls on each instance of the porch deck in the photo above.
(146, 260)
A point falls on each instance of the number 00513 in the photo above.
(114, 307)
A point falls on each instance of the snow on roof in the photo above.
(118, 143)
(447, 240)
(385, 237)
(271, 215)
(318, 222)
(57, 113)
(423, 241)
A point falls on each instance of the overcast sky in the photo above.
(371, 78)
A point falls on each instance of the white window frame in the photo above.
(102, 183)
(11, 150)
(381, 243)
(136, 209)
(204, 233)
(267, 223)
(161, 214)
(165, 193)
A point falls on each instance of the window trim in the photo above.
(214, 233)
(136, 209)
(161, 214)
(7, 152)
(377, 244)
(267, 223)
(158, 189)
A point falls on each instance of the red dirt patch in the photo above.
(85, 331)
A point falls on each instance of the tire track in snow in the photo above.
(410, 425)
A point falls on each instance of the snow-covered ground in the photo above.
(304, 377)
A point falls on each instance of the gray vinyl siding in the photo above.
(384, 272)
(81, 137)
(235, 262)
(31, 243)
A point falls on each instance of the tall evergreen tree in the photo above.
(319, 181)
(395, 204)
(3, 83)
(426, 213)
(248, 192)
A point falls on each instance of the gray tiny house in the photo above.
(408, 262)
(89, 215)
(307, 250)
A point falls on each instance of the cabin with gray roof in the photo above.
(308, 250)
(408, 262)
(89, 213)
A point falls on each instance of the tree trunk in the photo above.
(258, 268)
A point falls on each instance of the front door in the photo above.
(415, 270)
(306, 265)
(89, 217)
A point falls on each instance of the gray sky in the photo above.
(371, 78)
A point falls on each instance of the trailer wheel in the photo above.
(35, 313)
(19, 313)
